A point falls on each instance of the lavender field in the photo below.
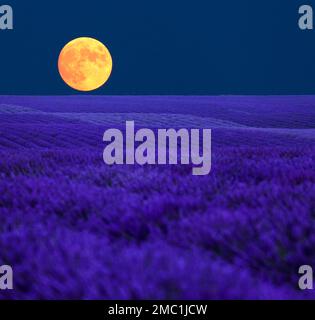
(74, 228)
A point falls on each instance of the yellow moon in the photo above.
(85, 64)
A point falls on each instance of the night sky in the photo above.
(164, 46)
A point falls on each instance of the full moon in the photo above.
(85, 64)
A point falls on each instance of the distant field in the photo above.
(74, 228)
(254, 111)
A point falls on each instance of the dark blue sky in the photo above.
(164, 46)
